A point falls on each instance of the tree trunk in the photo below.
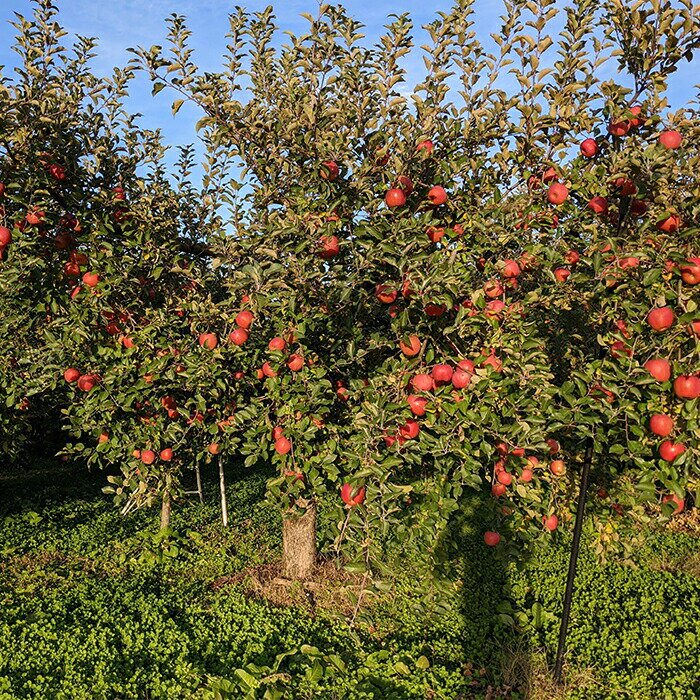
(165, 511)
(299, 544)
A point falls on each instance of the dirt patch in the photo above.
(331, 588)
(687, 522)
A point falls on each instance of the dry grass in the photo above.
(331, 588)
(528, 671)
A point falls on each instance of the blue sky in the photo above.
(123, 23)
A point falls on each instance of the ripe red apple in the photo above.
(659, 369)
(208, 340)
(510, 268)
(599, 205)
(329, 170)
(589, 148)
(244, 319)
(670, 224)
(553, 445)
(618, 128)
(435, 233)
(278, 344)
(423, 382)
(442, 374)
(71, 375)
(329, 247)
(670, 139)
(34, 218)
(551, 522)
(295, 362)
(412, 347)
(461, 379)
(669, 450)
(491, 538)
(426, 145)
(638, 207)
(626, 187)
(557, 193)
(409, 429)
(505, 478)
(661, 424)
(672, 498)
(435, 309)
(572, 257)
(493, 289)
(627, 263)
(687, 386)
(87, 382)
(239, 336)
(148, 457)
(467, 366)
(494, 362)
(562, 274)
(661, 319)
(214, 448)
(166, 455)
(526, 475)
(405, 184)
(395, 198)
(2, 189)
(5, 236)
(282, 445)
(91, 279)
(690, 271)
(437, 195)
(557, 467)
(386, 294)
(351, 495)
(498, 490)
(417, 404)
(267, 370)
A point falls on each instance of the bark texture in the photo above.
(165, 512)
(299, 544)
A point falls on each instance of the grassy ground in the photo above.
(93, 606)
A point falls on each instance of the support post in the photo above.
(573, 559)
(199, 482)
(222, 490)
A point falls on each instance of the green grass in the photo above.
(81, 617)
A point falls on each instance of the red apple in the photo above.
(442, 374)
(557, 193)
(238, 336)
(417, 404)
(557, 467)
(423, 382)
(598, 204)
(638, 207)
(626, 187)
(670, 224)
(551, 522)
(670, 139)
(282, 445)
(504, 478)
(526, 475)
(166, 455)
(589, 148)
(426, 145)
(148, 457)
(461, 379)
(498, 490)
(437, 195)
(278, 344)
(386, 294)
(553, 445)
(672, 498)
(267, 370)
(295, 362)
(214, 448)
(87, 382)
(329, 170)
(618, 128)
(491, 538)
(405, 184)
(412, 347)
(435, 233)
(687, 386)
(351, 495)
(91, 279)
(659, 369)
(562, 274)
(669, 450)
(572, 257)
(661, 319)
(329, 247)
(510, 268)
(71, 375)
(493, 289)
(208, 340)
(244, 319)
(660, 424)
(409, 429)
(395, 198)
(5, 236)
(690, 271)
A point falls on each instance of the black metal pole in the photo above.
(573, 559)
